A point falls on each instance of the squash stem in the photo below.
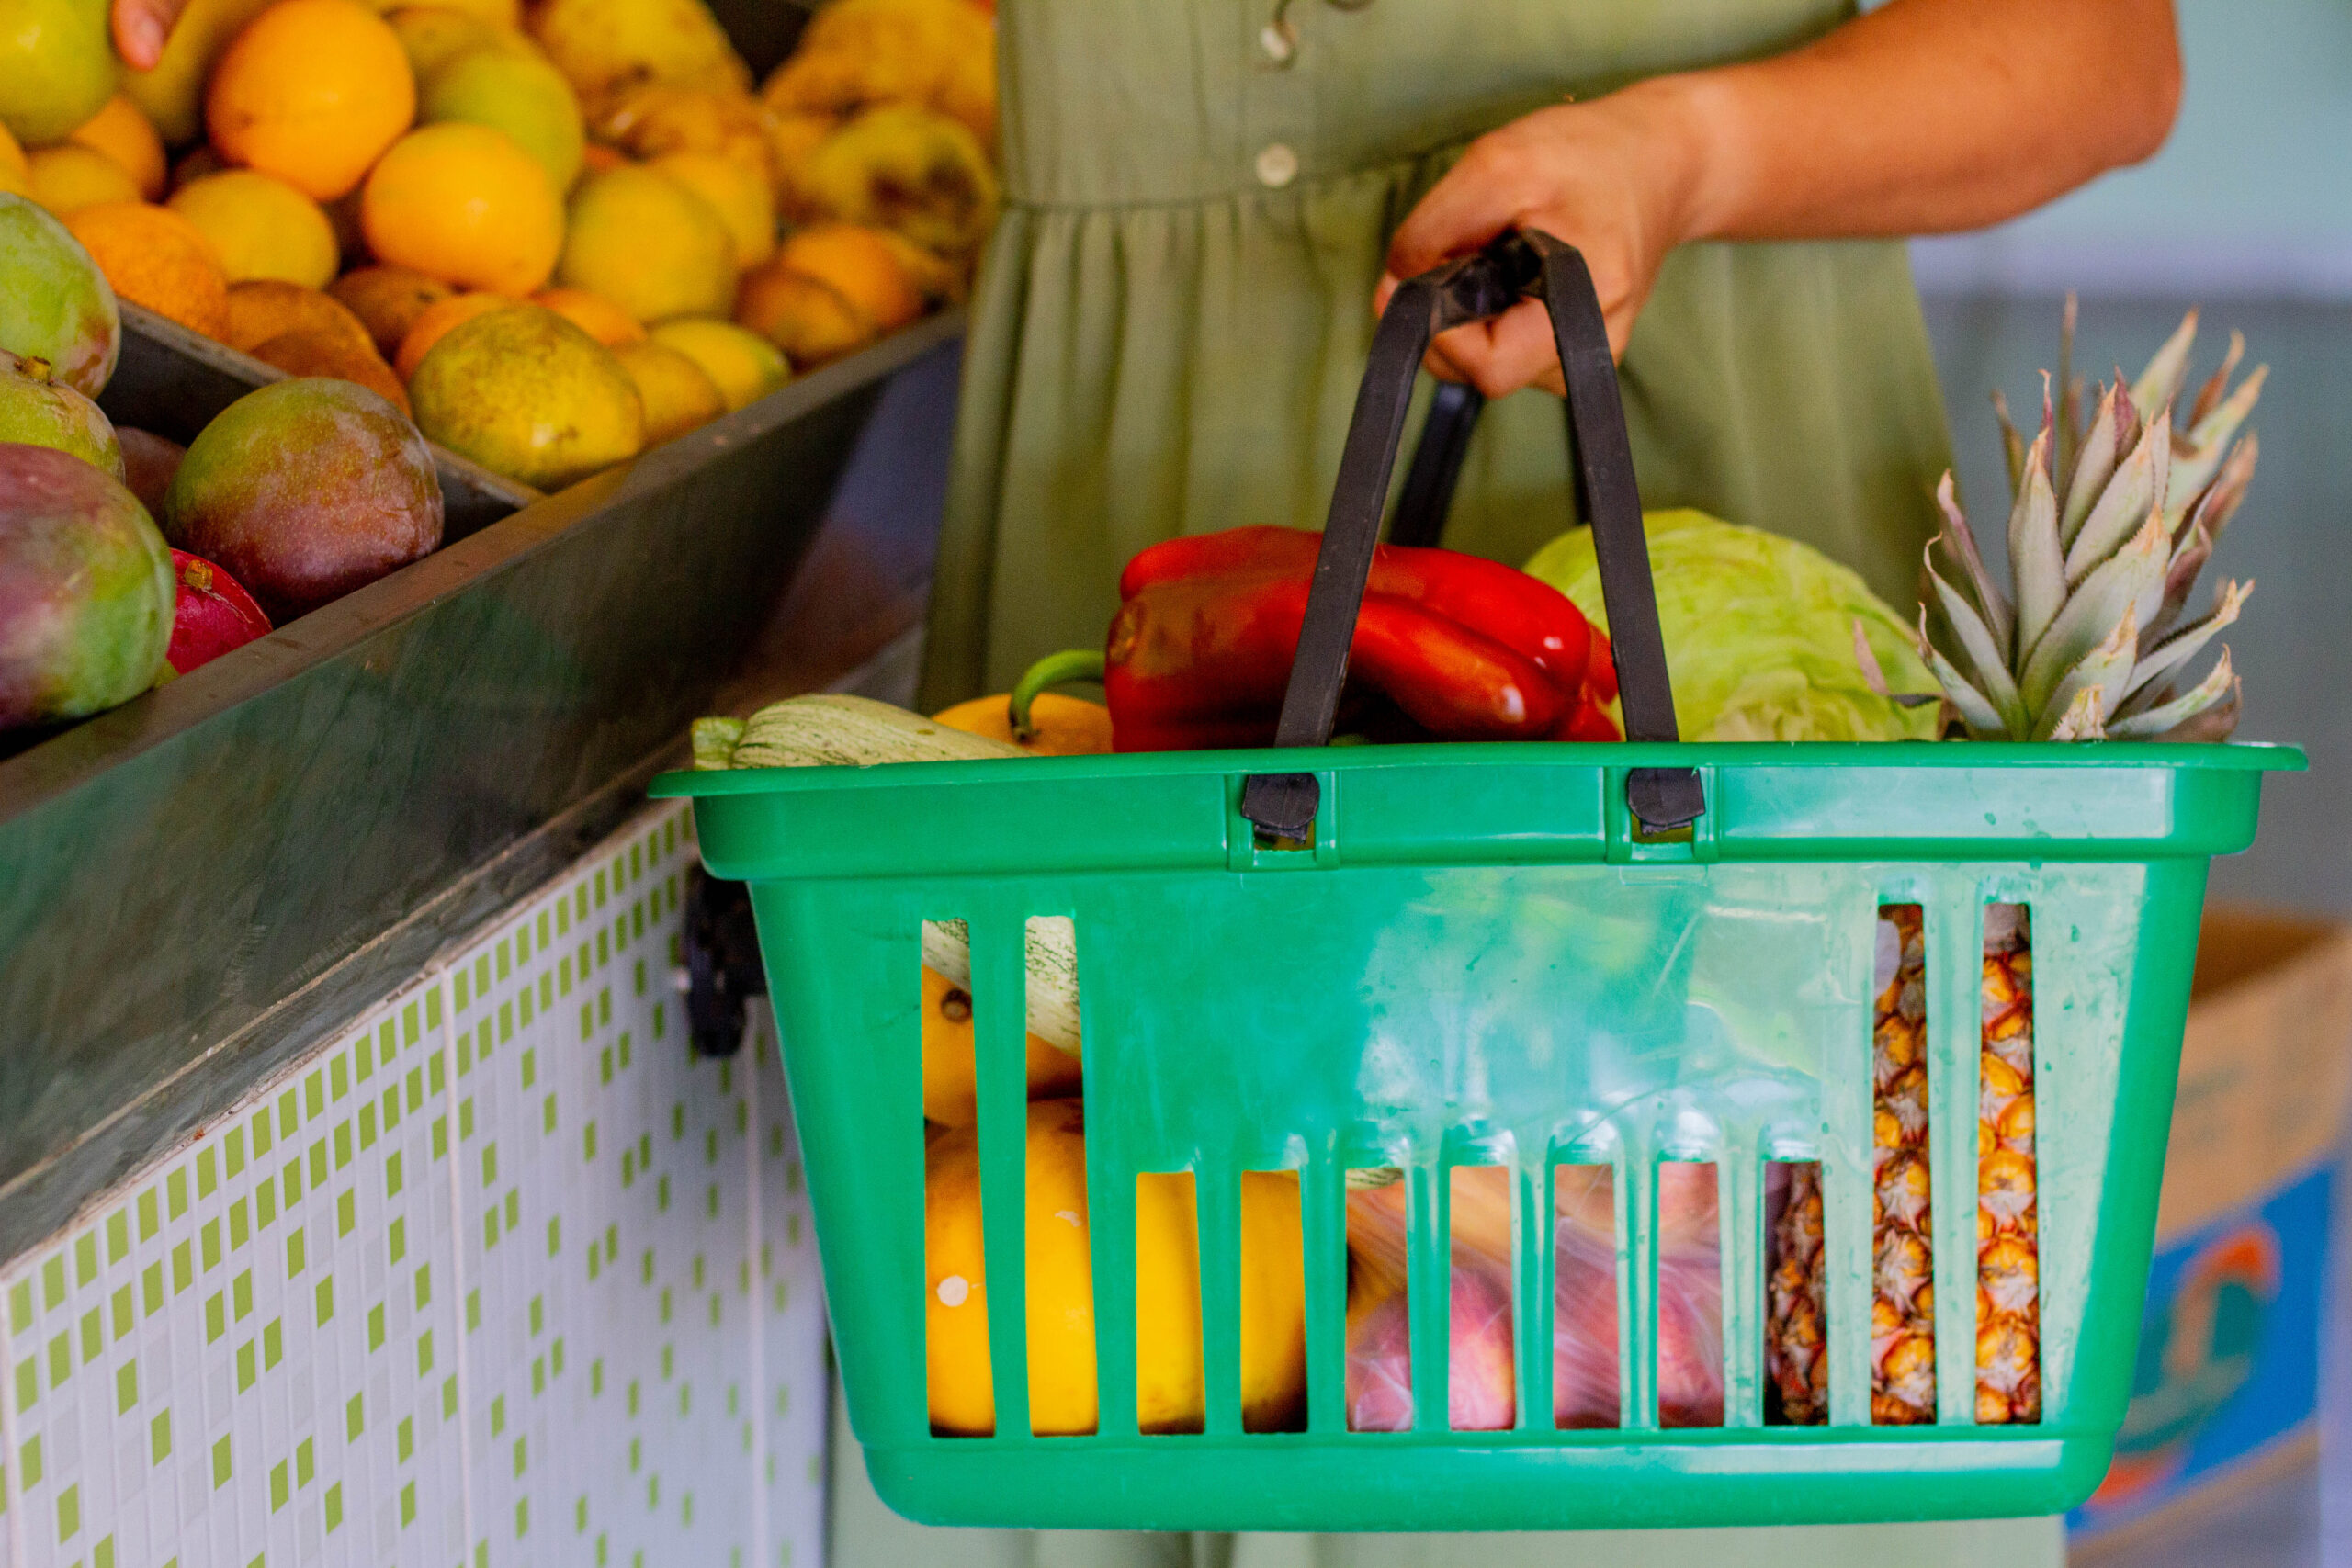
(1054, 670)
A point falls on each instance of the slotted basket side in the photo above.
(1264, 1071)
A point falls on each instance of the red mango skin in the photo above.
(304, 491)
(149, 461)
(86, 590)
(213, 615)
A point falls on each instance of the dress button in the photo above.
(1277, 164)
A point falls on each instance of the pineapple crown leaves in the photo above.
(2085, 640)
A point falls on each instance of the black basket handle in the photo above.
(1282, 806)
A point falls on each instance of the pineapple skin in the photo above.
(1903, 1370)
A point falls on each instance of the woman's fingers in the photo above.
(1500, 355)
(1476, 199)
(140, 28)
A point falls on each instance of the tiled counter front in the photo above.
(502, 1276)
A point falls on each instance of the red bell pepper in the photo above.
(1448, 647)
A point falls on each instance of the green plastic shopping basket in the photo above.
(1422, 957)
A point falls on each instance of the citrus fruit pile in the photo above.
(126, 559)
(556, 239)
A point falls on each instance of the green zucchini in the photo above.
(832, 729)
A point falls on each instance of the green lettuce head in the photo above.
(1759, 633)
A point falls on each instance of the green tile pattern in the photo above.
(500, 1276)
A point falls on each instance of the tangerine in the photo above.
(593, 314)
(154, 257)
(312, 91)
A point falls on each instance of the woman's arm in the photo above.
(1923, 116)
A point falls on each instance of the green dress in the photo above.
(1167, 338)
(1173, 319)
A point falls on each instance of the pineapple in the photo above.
(1903, 1356)
(2110, 523)
(2008, 1273)
(1903, 1340)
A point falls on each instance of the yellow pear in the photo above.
(525, 394)
(676, 393)
(649, 245)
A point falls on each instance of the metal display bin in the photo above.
(197, 886)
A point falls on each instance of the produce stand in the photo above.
(172, 382)
(195, 886)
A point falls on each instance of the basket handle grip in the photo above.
(1529, 262)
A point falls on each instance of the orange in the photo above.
(387, 300)
(593, 314)
(266, 308)
(947, 1071)
(464, 203)
(596, 159)
(312, 91)
(156, 258)
(333, 354)
(864, 266)
(122, 133)
(262, 227)
(70, 175)
(435, 321)
(804, 316)
(739, 193)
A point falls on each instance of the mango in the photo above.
(149, 462)
(57, 66)
(304, 491)
(387, 300)
(525, 394)
(86, 590)
(40, 411)
(54, 302)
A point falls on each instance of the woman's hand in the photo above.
(1614, 177)
(140, 28)
(1920, 117)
